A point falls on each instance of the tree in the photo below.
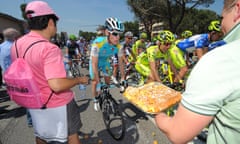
(22, 8)
(132, 26)
(171, 12)
(197, 20)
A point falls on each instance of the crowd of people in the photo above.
(210, 99)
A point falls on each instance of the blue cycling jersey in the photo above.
(103, 50)
(196, 41)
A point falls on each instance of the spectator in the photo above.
(60, 121)
(10, 34)
(212, 94)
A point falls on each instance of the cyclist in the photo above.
(200, 42)
(139, 46)
(190, 55)
(127, 49)
(146, 61)
(101, 51)
(186, 34)
(72, 50)
(177, 62)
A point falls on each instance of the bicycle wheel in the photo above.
(113, 118)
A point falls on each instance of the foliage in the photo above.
(22, 8)
(171, 12)
(197, 20)
(132, 26)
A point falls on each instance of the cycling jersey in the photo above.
(104, 51)
(194, 42)
(138, 44)
(153, 53)
(177, 56)
(72, 48)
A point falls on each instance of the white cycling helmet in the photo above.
(113, 24)
(128, 34)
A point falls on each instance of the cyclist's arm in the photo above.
(121, 67)
(154, 71)
(121, 56)
(183, 126)
(180, 76)
(95, 68)
(173, 68)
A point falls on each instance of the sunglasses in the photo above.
(114, 33)
(129, 38)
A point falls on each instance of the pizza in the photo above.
(152, 97)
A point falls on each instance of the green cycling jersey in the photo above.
(177, 56)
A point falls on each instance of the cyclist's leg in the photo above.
(115, 69)
(94, 88)
(106, 73)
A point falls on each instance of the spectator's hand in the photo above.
(83, 80)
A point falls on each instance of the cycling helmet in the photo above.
(113, 24)
(186, 34)
(214, 26)
(143, 35)
(72, 37)
(128, 34)
(166, 36)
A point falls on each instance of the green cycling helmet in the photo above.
(214, 26)
(143, 35)
(72, 37)
(186, 34)
(166, 36)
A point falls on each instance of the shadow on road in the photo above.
(103, 137)
(133, 113)
(6, 113)
(83, 107)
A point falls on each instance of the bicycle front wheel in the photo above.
(113, 118)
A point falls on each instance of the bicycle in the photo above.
(111, 112)
(74, 68)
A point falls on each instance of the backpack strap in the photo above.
(28, 47)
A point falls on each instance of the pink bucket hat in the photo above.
(38, 8)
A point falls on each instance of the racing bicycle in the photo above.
(111, 112)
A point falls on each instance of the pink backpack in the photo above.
(21, 84)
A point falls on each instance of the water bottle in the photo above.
(82, 88)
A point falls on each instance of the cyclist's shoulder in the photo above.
(151, 48)
(100, 41)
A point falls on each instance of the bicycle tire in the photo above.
(113, 118)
